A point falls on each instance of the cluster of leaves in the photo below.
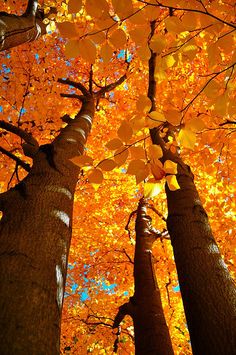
(195, 78)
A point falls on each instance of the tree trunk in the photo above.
(16, 30)
(208, 291)
(35, 234)
(150, 329)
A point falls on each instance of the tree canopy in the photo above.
(96, 43)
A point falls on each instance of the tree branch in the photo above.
(31, 146)
(19, 162)
(79, 86)
(207, 13)
(31, 8)
(111, 86)
(125, 309)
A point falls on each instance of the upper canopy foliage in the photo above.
(194, 44)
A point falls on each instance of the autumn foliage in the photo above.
(96, 43)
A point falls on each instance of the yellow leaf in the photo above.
(135, 166)
(74, 6)
(87, 50)
(125, 131)
(213, 89)
(196, 124)
(82, 160)
(157, 118)
(95, 176)
(142, 175)
(157, 169)
(170, 167)
(121, 156)
(151, 189)
(169, 61)
(123, 8)
(137, 153)
(158, 43)
(107, 165)
(67, 29)
(118, 38)
(173, 116)
(173, 24)
(98, 9)
(144, 53)
(160, 75)
(114, 144)
(72, 49)
(139, 35)
(187, 138)
(155, 151)
(137, 123)
(144, 104)
(172, 182)
(106, 53)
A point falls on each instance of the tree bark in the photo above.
(16, 30)
(145, 307)
(35, 234)
(208, 291)
(150, 328)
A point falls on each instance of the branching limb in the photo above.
(19, 162)
(31, 146)
(31, 8)
(74, 96)
(127, 225)
(79, 86)
(110, 87)
(227, 122)
(125, 309)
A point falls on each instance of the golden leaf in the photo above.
(173, 116)
(74, 6)
(118, 38)
(172, 182)
(170, 167)
(187, 138)
(114, 144)
(137, 153)
(95, 176)
(151, 189)
(82, 160)
(106, 53)
(121, 155)
(107, 165)
(155, 151)
(125, 131)
(144, 104)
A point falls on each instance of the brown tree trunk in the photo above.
(35, 234)
(208, 291)
(145, 307)
(16, 30)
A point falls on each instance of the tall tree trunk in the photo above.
(35, 234)
(208, 291)
(145, 307)
(16, 30)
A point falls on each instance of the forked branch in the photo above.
(19, 162)
(30, 146)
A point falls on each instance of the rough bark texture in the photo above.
(150, 328)
(145, 307)
(35, 234)
(16, 30)
(208, 291)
